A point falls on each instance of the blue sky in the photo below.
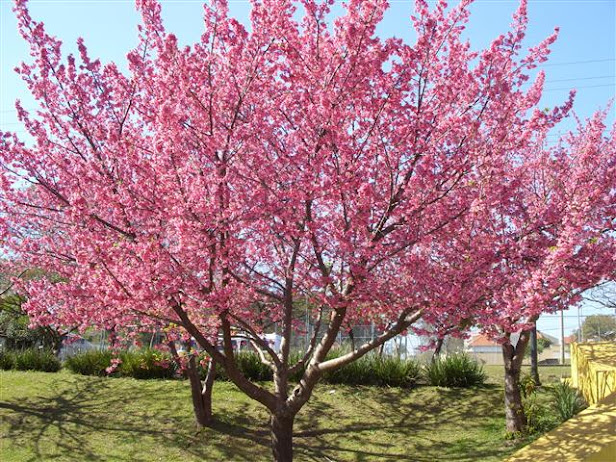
(584, 57)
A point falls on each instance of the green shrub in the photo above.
(252, 367)
(146, 364)
(294, 358)
(7, 360)
(369, 370)
(376, 371)
(528, 386)
(539, 418)
(355, 373)
(249, 364)
(567, 400)
(455, 371)
(34, 359)
(93, 362)
(393, 372)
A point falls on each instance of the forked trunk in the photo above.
(515, 419)
(201, 392)
(514, 410)
(281, 426)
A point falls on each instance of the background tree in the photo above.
(542, 344)
(15, 324)
(598, 327)
(603, 294)
(563, 246)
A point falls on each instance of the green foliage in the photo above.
(14, 327)
(542, 344)
(376, 371)
(369, 370)
(7, 360)
(93, 362)
(543, 415)
(599, 327)
(146, 364)
(297, 375)
(539, 418)
(527, 385)
(567, 400)
(140, 364)
(393, 372)
(455, 371)
(355, 373)
(14, 323)
(35, 359)
(250, 365)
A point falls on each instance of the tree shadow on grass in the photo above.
(389, 417)
(79, 419)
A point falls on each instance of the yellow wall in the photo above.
(590, 436)
(593, 369)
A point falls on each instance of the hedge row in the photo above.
(143, 364)
(454, 371)
(32, 359)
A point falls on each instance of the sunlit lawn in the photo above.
(547, 374)
(64, 417)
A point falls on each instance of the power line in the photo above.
(581, 87)
(581, 78)
(588, 61)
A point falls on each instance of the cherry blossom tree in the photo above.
(557, 244)
(212, 186)
(549, 243)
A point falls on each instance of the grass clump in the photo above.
(250, 365)
(93, 362)
(34, 359)
(376, 371)
(139, 364)
(455, 371)
(7, 360)
(146, 364)
(567, 400)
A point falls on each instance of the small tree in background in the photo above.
(15, 325)
(563, 247)
(598, 327)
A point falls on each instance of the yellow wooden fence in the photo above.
(593, 369)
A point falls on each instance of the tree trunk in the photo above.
(515, 419)
(352, 338)
(201, 392)
(437, 350)
(282, 437)
(534, 353)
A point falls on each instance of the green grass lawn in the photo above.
(547, 374)
(65, 417)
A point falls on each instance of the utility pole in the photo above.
(307, 326)
(562, 337)
(579, 335)
(534, 364)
